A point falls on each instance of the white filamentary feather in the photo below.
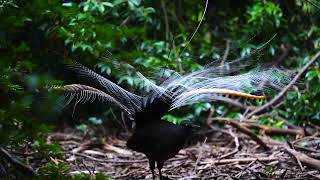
(128, 99)
(82, 93)
(206, 84)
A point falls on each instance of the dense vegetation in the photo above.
(118, 37)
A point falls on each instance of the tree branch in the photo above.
(25, 170)
(304, 159)
(242, 129)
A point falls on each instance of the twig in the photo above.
(239, 160)
(236, 149)
(166, 22)
(282, 93)
(233, 102)
(304, 159)
(111, 161)
(124, 22)
(305, 148)
(225, 55)
(210, 115)
(273, 130)
(86, 167)
(242, 129)
(3, 169)
(117, 149)
(297, 159)
(25, 170)
(200, 155)
(314, 176)
(126, 175)
(245, 168)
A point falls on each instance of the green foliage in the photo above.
(196, 111)
(303, 106)
(264, 13)
(55, 170)
(269, 121)
(81, 176)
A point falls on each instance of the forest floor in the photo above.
(211, 154)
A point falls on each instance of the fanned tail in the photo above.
(82, 93)
(128, 99)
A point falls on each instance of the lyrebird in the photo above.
(158, 139)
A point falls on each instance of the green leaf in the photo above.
(108, 4)
(95, 121)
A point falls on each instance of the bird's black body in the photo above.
(158, 139)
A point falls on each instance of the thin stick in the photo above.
(225, 55)
(111, 161)
(304, 159)
(236, 149)
(273, 130)
(200, 155)
(233, 122)
(240, 160)
(19, 166)
(166, 22)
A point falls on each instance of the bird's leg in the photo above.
(159, 166)
(152, 164)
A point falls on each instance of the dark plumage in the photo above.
(158, 139)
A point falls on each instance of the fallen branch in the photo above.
(314, 176)
(283, 92)
(111, 161)
(239, 160)
(19, 166)
(233, 123)
(273, 130)
(304, 159)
